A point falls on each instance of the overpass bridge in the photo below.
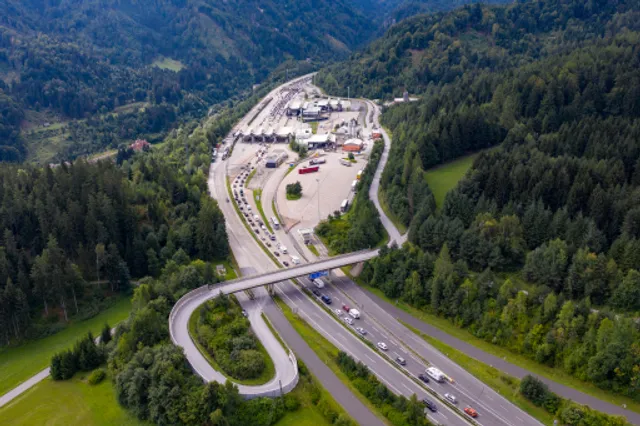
(286, 376)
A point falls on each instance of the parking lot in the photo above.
(332, 183)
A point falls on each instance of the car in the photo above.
(346, 308)
(326, 299)
(430, 405)
(264, 228)
(348, 320)
(268, 244)
(276, 253)
(401, 360)
(273, 237)
(285, 263)
(316, 292)
(244, 313)
(257, 231)
(383, 346)
(451, 398)
(423, 377)
(262, 238)
(471, 412)
(241, 208)
(361, 330)
(338, 312)
(248, 207)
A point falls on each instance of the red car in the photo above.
(470, 411)
(346, 308)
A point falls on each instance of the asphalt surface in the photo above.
(354, 407)
(394, 234)
(499, 363)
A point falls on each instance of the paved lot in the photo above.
(334, 186)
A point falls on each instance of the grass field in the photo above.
(307, 416)
(312, 248)
(19, 363)
(71, 402)
(443, 178)
(326, 352)
(292, 197)
(168, 64)
(551, 373)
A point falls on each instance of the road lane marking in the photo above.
(370, 359)
(408, 388)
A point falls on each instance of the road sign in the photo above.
(318, 275)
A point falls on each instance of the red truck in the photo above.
(305, 170)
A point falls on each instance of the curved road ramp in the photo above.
(286, 377)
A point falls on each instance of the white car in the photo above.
(361, 330)
(451, 398)
(382, 346)
(248, 207)
(283, 249)
(338, 312)
(348, 320)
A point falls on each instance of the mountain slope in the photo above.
(82, 59)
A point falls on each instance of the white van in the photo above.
(318, 283)
(295, 260)
(355, 314)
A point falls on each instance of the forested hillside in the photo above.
(82, 59)
(537, 247)
(76, 234)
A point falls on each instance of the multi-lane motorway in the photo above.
(380, 327)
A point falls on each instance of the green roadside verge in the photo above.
(257, 197)
(19, 363)
(312, 248)
(251, 175)
(267, 374)
(533, 367)
(402, 228)
(292, 197)
(326, 352)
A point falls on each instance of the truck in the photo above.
(317, 161)
(305, 170)
(355, 314)
(344, 206)
(318, 283)
(435, 374)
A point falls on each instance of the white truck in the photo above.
(295, 260)
(355, 314)
(315, 161)
(435, 374)
(318, 283)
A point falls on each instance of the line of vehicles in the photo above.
(430, 373)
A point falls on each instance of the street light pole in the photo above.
(318, 180)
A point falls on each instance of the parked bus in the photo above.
(344, 206)
(275, 223)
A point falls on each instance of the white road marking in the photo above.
(408, 388)
(370, 359)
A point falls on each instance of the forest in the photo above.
(76, 234)
(536, 249)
